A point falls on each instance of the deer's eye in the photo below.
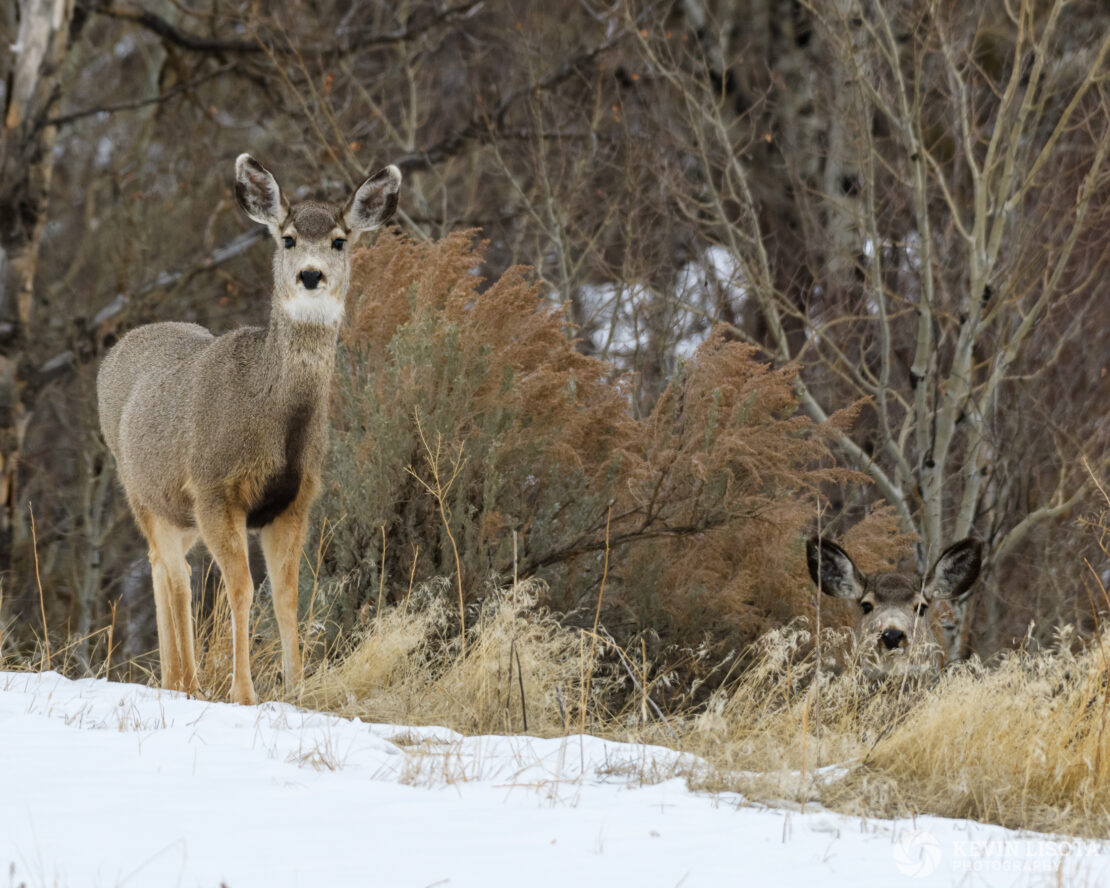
(867, 607)
(289, 242)
(338, 243)
(921, 608)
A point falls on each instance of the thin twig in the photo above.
(439, 491)
(111, 637)
(640, 687)
(38, 580)
(520, 679)
(381, 586)
(171, 93)
(597, 619)
(196, 43)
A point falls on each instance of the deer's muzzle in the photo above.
(310, 277)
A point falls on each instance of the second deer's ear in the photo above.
(955, 570)
(258, 193)
(832, 570)
(374, 202)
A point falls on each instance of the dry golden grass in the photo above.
(520, 670)
(1023, 742)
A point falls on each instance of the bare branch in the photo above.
(172, 93)
(354, 42)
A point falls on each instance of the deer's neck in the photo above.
(300, 357)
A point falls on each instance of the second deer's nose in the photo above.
(891, 638)
(310, 278)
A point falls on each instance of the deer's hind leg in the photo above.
(173, 602)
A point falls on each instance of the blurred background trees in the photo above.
(904, 202)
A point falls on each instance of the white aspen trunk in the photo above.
(26, 168)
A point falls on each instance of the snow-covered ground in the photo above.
(105, 784)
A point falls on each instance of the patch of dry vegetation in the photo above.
(1023, 741)
(520, 670)
(472, 438)
(509, 548)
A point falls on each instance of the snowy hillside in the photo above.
(106, 784)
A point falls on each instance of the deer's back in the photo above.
(144, 392)
(142, 361)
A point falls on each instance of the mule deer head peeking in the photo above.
(895, 629)
(215, 436)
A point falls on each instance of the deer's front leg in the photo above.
(282, 544)
(224, 531)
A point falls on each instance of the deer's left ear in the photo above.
(955, 570)
(374, 202)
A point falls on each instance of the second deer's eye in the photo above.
(338, 243)
(867, 607)
(289, 242)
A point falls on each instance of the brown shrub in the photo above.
(448, 385)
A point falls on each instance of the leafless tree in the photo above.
(953, 201)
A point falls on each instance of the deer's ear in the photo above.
(832, 570)
(374, 202)
(955, 570)
(258, 193)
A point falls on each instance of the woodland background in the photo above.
(741, 218)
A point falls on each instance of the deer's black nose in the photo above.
(891, 638)
(310, 278)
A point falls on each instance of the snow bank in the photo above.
(121, 785)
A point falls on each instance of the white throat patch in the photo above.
(310, 308)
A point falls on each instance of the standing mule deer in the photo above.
(894, 631)
(218, 435)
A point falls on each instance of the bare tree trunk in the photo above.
(26, 167)
(97, 519)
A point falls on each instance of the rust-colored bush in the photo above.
(453, 389)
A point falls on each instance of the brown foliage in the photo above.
(701, 504)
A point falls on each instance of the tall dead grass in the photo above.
(1023, 741)
(519, 670)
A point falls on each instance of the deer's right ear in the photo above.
(258, 193)
(374, 202)
(832, 570)
(956, 570)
